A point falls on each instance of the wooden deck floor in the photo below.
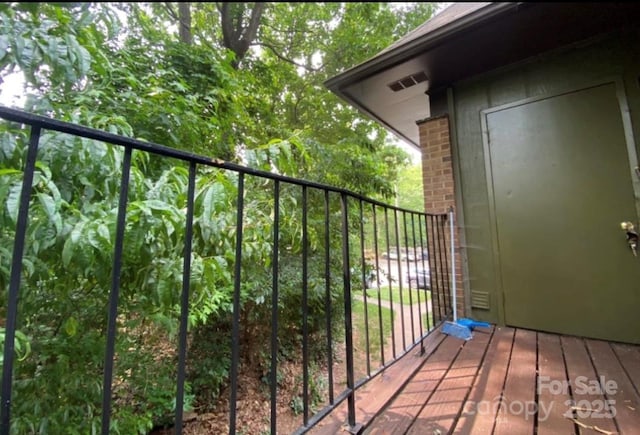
(512, 381)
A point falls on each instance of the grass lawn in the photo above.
(374, 327)
(385, 295)
(424, 320)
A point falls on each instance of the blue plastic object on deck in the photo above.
(472, 324)
(456, 330)
(460, 328)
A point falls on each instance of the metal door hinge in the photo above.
(632, 237)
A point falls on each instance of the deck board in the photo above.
(378, 399)
(617, 386)
(581, 371)
(506, 365)
(444, 407)
(553, 397)
(629, 356)
(517, 405)
(398, 417)
(477, 416)
(374, 396)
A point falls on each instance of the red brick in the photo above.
(437, 175)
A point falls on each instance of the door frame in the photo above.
(632, 158)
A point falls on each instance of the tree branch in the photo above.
(286, 59)
(184, 23)
(227, 25)
(171, 11)
(235, 35)
(251, 31)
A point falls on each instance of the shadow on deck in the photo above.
(504, 380)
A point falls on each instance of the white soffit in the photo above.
(398, 109)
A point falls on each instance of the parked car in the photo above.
(419, 279)
(373, 277)
(406, 254)
(393, 254)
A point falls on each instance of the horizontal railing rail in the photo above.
(393, 279)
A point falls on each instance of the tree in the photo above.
(241, 82)
(287, 51)
(237, 35)
(183, 18)
(410, 192)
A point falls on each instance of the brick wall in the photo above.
(439, 193)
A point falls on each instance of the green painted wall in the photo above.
(597, 60)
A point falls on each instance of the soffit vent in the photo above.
(408, 81)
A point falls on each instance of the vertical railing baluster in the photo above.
(399, 248)
(440, 282)
(393, 324)
(305, 309)
(115, 291)
(327, 301)
(14, 282)
(412, 238)
(184, 299)
(443, 290)
(364, 291)
(415, 259)
(348, 327)
(274, 305)
(446, 262)
(434, 266)
(426, 290)
(445, 220)
(235, 328)
(406, 244)
(442, 269)
(375, 249)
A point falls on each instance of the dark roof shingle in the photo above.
(447, 16)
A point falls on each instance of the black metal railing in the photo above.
(379, 243)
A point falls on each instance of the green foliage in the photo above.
(65, 290)
(410, 191)
(43, 41)
(121, 68)
(317, 391)
(374, 328)
(22, 345)
(394, 294)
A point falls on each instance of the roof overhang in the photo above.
(464, 40)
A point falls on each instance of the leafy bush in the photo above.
(82, 64)
(67, 278)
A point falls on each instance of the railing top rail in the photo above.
(20, 116)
